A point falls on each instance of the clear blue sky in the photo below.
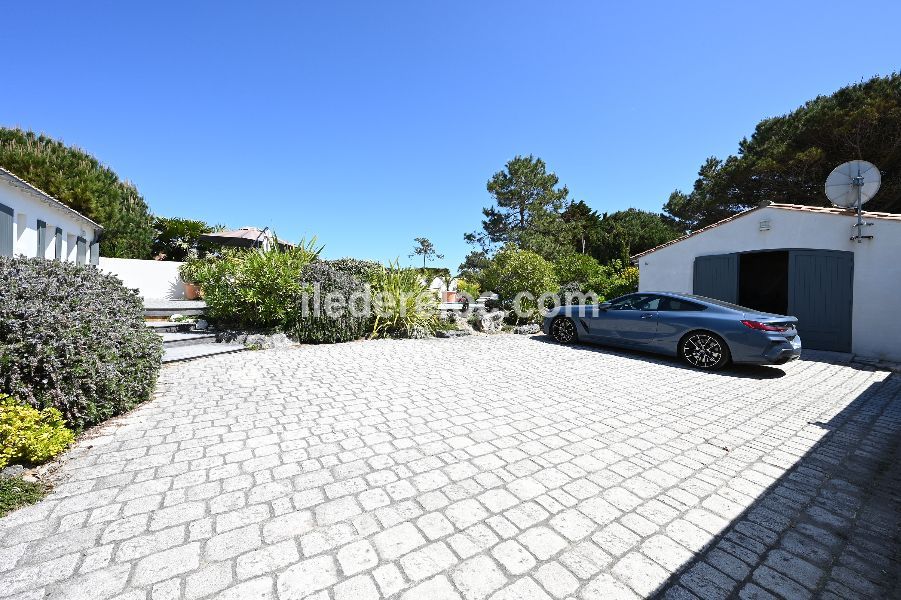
(371, 123)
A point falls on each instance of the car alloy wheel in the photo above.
(563, 330)
(705, 351)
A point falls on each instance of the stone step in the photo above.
(167, 308)
(188, 338)
(183, 353)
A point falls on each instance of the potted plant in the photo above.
(190, 273)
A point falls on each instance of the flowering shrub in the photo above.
(74, 339)
(30, 436)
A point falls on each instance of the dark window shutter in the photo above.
(42, 239)
(58, 254)
(81, 251)
(6, 231)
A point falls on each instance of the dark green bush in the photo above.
(74, 339)
(364, 270)
(345, 284)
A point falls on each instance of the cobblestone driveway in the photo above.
(503, 467)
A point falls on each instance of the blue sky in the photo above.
(370, 123)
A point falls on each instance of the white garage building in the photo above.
(33, 223)
(797, 260)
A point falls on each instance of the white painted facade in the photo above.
(876, 330)
(29, 206)
(154, 279)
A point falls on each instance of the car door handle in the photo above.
(647, 316)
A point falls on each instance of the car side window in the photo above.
(624, 303)
(648, 303)
(677, 305)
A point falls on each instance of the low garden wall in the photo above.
(154, 279)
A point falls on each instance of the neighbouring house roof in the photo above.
(245, 237)
(16, 181)
(841, 212)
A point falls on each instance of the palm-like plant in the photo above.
(403, 304)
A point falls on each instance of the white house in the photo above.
(33, 223)
(797, 260)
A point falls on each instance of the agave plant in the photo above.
(403, 304)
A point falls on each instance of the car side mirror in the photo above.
(604, 306)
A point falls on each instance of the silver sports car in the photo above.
(707, 333)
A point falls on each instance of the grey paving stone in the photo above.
(391, 469)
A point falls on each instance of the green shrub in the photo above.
(577, 268)
(255, 288)
(622, 283)
(15, 493)
(468, 287)
(336, 286)
(403, 304)
(29, 436)
(194, 269)
(74, 339)
(363, 270)
(513, 271)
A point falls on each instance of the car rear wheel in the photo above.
(563, 330)
(704, 350)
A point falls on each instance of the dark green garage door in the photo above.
(820, 284)
(820, 291)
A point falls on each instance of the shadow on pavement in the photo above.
(743, 371)
(827, 527)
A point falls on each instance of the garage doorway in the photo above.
(763, 281)
(816, 286)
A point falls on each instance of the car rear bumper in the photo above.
(775, 350)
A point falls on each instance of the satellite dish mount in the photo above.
(851, 185)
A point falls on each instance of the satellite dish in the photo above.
(852, 184)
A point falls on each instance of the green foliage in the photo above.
(255, 288)
(472, 266)
(582, 226)
(465, 286)
(195, 269)
(79, 180)
(364, 270)
(621, 283)
(513, 271)
(624, 233)
(426, 249)
(325, 316)
(74, 339)
(403, 304)
(528, 203)
(16, 493)
(29, 436)
(789, 157)
(179, 239)
(577, 268)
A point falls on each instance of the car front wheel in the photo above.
(563, 330)
(704, 350)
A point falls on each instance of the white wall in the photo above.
(154, 279)
(28, 209)
(876, 331)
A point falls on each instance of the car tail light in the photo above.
(763, 326)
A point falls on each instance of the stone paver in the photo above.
(477, 468)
